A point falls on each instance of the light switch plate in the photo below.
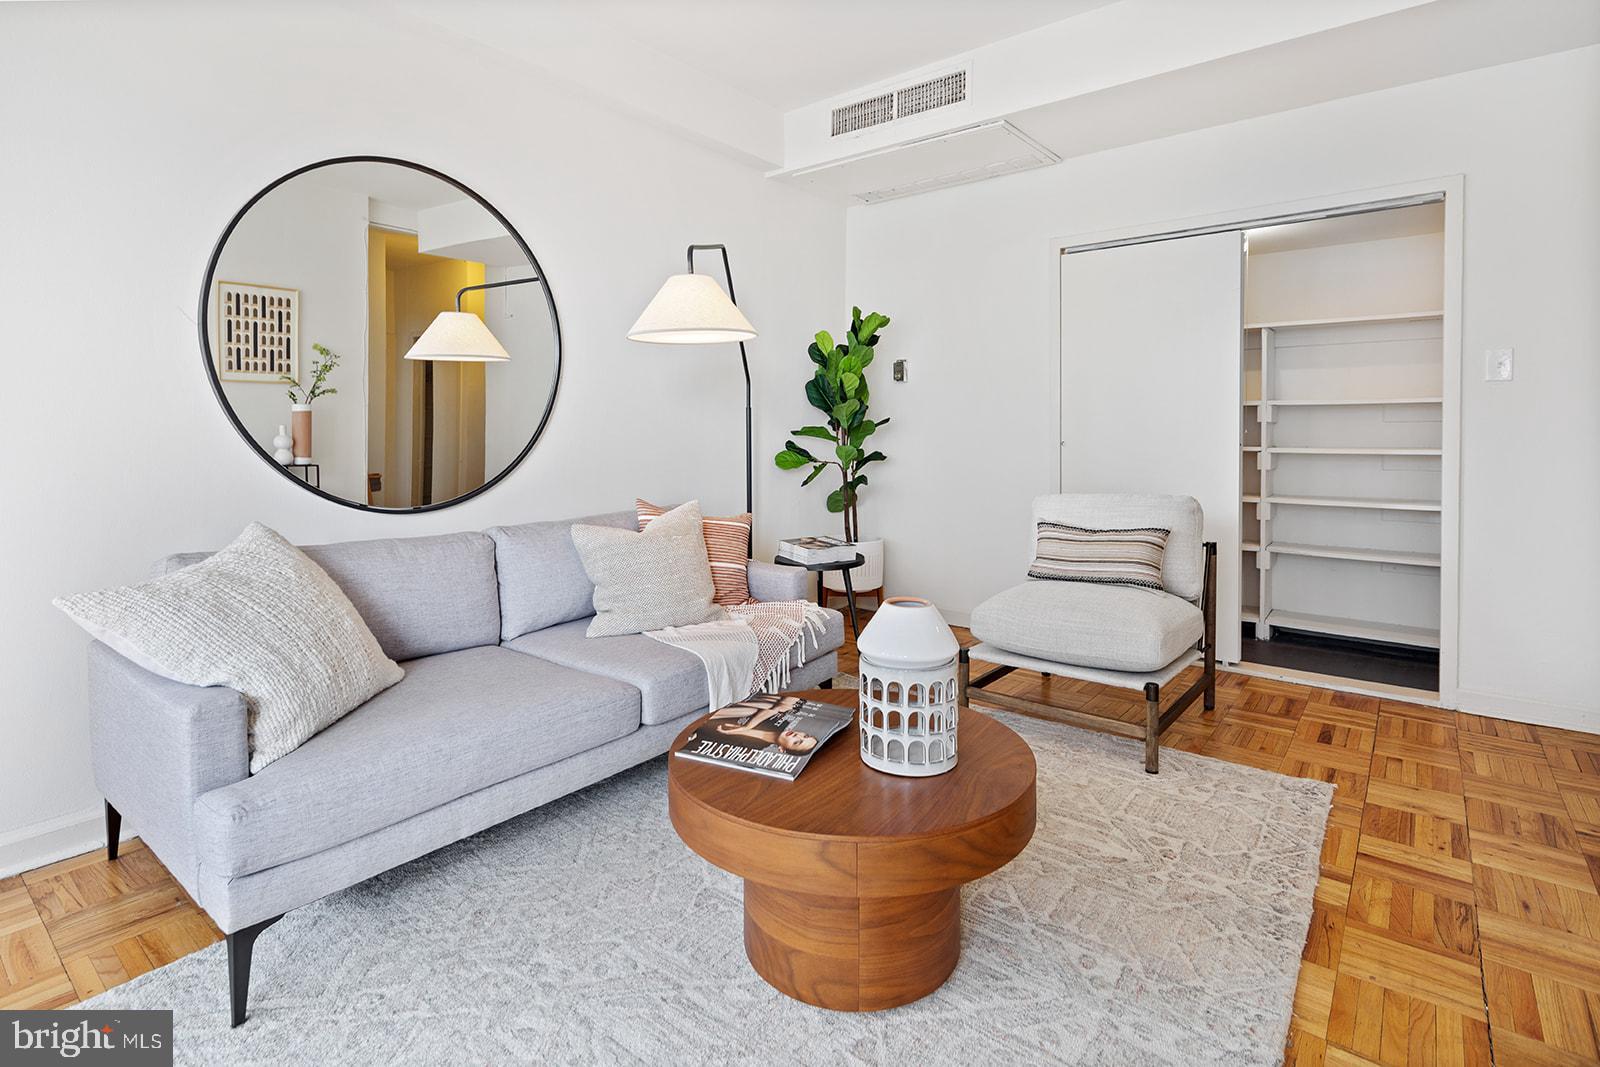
(1498, 364)
(899, 370)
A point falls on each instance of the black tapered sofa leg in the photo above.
(113, 830)
(241, 943)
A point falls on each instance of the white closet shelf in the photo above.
(1252, 498)
(1354, 320)
(1370, 503)
(1250, 613)
(1369, 631)
(1250, 546)
(1296, 450)
(1370, 402)
(1364, 555)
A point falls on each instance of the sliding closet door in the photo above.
(1150, 379)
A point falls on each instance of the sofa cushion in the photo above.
(1114, 627)
(456, 723)
(419, 595)
(542, 580)
(670, 680)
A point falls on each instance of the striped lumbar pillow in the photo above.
(727, 547)
(1110, 557)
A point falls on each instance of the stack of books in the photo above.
(817, 550)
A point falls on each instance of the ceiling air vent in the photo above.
(900, 103)
(970, 154)
(935, 92)
(873, 111)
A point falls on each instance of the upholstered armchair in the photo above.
(1099, 630)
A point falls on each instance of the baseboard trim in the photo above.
(40, 844)
(1532, 712)
(1381, 690)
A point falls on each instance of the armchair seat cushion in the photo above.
(1112, 627)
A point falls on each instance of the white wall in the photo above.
(1389, 277)
(125, 145)
(312, 238)
(515, 392)
(968, 276)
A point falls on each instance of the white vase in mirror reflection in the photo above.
(300, 419)
(867, 576)
(280, 446)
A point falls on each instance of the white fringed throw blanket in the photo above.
(749, 651)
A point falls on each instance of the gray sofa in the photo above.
(505, 705)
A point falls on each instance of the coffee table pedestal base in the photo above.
(852, 953)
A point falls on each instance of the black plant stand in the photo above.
(844, 567)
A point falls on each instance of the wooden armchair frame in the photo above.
(1156, 721)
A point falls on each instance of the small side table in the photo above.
(310, 473)
(844, 567)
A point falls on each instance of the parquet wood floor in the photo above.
(1456, 922)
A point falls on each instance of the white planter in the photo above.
(867, 576)
(907, 698)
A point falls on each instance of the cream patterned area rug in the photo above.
(1152, 920)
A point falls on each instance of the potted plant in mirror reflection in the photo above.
(300, 400)
(838, 388)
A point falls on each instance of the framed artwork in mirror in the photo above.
(432, 345)
(257, 333)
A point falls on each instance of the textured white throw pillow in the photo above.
(260, 617)
(646, 580)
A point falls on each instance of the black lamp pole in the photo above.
(494, 285)
(749, 468)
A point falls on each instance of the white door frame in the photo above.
(1452, 186)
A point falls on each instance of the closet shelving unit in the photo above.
(1267, 441)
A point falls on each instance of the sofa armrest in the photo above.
(157, 745)
(770, 581)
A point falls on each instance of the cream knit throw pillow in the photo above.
(657, 577)
(260, 617)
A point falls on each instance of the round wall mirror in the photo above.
(380, 334)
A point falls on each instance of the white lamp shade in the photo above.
(691, 309)
(460, 337)
(908, 633)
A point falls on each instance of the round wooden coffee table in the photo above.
(852, 877)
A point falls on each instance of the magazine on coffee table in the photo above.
(766, 734)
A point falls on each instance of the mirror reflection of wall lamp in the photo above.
(460, 336)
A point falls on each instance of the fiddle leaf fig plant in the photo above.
(838, 388)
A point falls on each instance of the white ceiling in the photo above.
(392, 184)
(791, 52)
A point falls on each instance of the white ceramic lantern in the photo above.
(908, 689)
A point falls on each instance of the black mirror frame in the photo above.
(209, 357)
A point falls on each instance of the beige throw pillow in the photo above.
(260, 617)
(727, 547)
(646, 580)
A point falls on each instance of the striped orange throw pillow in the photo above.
(727, 546)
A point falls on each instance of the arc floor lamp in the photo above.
(692, 309)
